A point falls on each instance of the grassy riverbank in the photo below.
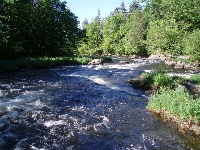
(43, 62)
(177, 106)
(171, 101)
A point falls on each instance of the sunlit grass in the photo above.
(159, 79)
(176, 102)
(173, 102)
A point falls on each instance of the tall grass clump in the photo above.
(176, 102)
(160, 79)
(195, 79)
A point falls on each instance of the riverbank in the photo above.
(173, 99)
(44, 62)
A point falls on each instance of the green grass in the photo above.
(195, 79)
(171, 101)
(175, 102)
(160, 79)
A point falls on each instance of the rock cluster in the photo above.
(176, 64)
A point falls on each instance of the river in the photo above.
(81, 108)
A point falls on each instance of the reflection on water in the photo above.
(81, 107)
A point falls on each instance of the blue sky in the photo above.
(89, 8)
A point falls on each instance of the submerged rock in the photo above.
(95, 62)
(124, 62)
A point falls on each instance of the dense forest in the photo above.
(38, 28)
(158, 26)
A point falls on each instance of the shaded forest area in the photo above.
(47, 28)
(37, 28)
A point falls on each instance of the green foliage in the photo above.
(192, 45)
(164, 37)
(175, 102)
(136, 34)
(195, 79)
(37, 28)
(91, 43)
(183, 11)
(163, 79)
(169, 21)
(113, 33)
(160, 79)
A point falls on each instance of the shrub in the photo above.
(160, 78)
(163, 79)
(164, 37)
(192, 45)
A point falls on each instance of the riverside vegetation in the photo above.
(171, 101)
(45, 62)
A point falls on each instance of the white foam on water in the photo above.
(35, 148)
(23, 100)
(51, 123)
(187, 76)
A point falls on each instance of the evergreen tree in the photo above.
(136, 34)
(123, 7)
(85, 23)
(91, 44)
(134, 6)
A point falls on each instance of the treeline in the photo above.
(37, 28)
(158, 26)
(47, 28)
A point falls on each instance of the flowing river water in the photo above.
(81, 108)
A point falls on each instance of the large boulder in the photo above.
(95, 62)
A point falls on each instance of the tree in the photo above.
(170, 21)
(85, 23)
(56, 29)
(123, 7)
(184, 11)
(164, 37)
(91, 44)
(112, 33)
(134, 6)
(192, 44)
(136, 34)
(32, 28)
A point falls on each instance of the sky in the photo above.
(89, 8)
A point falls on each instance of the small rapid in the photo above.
(81, 107)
